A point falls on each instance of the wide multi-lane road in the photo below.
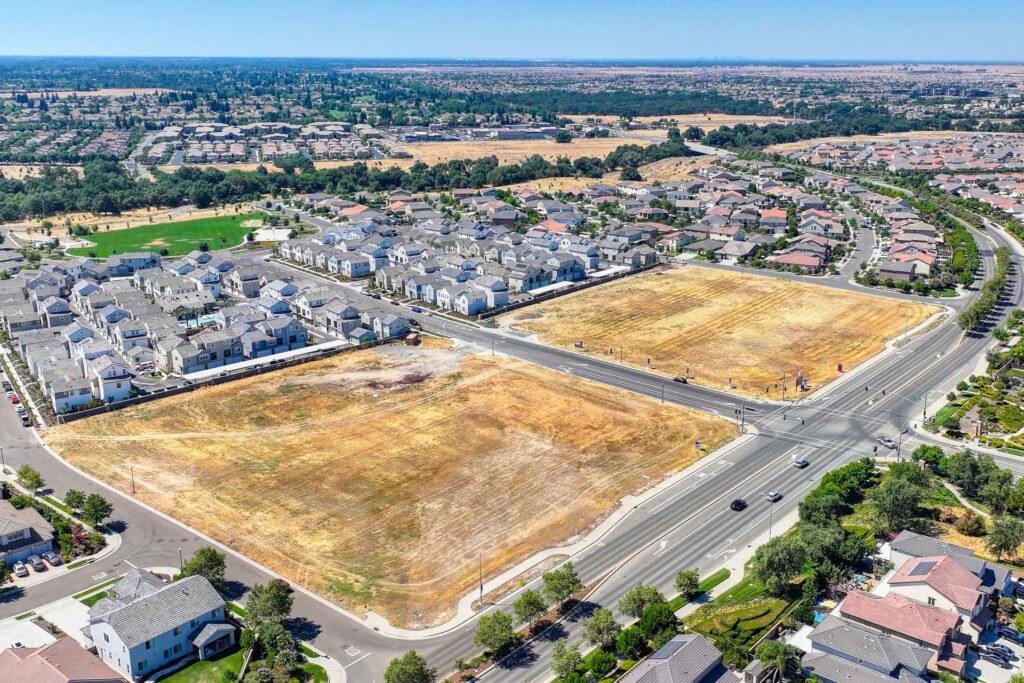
(686, 525)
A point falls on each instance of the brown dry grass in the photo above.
(514, 151)
(376, 477)
(675, 168)
(704, 121)
(881, 137)
(404, 164)
(22, 171)
(722, 325)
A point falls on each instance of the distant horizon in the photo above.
(874, 31)
(440, 60)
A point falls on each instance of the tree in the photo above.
(782, 659)
(600, 663)
(821, 509)
(96, 509)
(30, 478)
(637, 598)
(565, 658)
(776, 563)
(74, 499)
(530, 607)
(1005, 536)
(561, 584)
(409, 668)
(601, 629)
(563, 137)
(932, 455)
(673, 133)
(693, 133)
(1018, 621)
(1016, 678)
(688, 583)
(896, 503)
(269, 602)
(631, 643)
(494, 633)
(208, 563)
(658, 617)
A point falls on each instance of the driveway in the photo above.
(24, 632)
(989, 672)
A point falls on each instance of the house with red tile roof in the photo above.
(64, 661)
(942, 582)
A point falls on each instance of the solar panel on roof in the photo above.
(921, 569)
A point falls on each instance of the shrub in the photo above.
(970, 523)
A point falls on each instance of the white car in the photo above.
(773, 496)
(20, 569)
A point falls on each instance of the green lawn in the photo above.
(704, 586)
(178, 238)
(111, 582)
(93, 599)
(217, 669)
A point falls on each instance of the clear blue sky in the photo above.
(944, 30)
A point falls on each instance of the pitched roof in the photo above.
(862, 644)
(948, 577)
(901, 615)
(63, 661)
(687, 658)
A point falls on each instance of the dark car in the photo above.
(37, 563)
(738, 504)
(681, 380)
(801, 463)
(53, 558)
(415, 309)
(1001, 649)
(1011, 634)
(395, 303)
(994, 658)
(26, 421)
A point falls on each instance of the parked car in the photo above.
(1011, 634)
(37, 563)
(800, 463)
(886, 441)
(994, 658)
(15, 400)
(6, 385)
(738, 505)
(773, 496)
(20, 569)
(395, 303)
(681, 380)
(53, 558)
(26, 421)
(415, 309)
(1001, 649)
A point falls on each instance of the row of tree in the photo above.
(976, 314)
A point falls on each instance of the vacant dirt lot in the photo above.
(675, 168)
(22, 171)
(513, 151)
(724, 326)
(705, 121)
(375, 478)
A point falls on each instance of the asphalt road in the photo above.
(687, 525)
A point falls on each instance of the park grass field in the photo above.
(731, 330)
(181, 237)
(378, 478)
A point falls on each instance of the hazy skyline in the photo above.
(928, 30)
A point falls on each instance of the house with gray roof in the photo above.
(144, 626)
(23, 533)
(687, 658)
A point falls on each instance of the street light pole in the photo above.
(181, 562)
(132, 470)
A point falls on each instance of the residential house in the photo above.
(23, 533)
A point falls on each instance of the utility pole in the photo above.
(181, 562)
(132, 470)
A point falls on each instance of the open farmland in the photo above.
(514, 151)
(376, 477)
(724, 326)
(177, 238)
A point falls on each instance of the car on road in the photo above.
(773, 496)
(415, 309)
(20, 569)
(995, 658)
(395, 303)
(681, 380)
(26, 421)
(37, 563)
(374, 296)
(6, 385)
(738, 505)
(801, 463)
(886, 441)
(15, 400)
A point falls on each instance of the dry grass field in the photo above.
(131, 218)
(22, 171)
(269, 165)
(704, 121)
(514, 151)
(376, 477)
(675, 168)
(724, 326)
